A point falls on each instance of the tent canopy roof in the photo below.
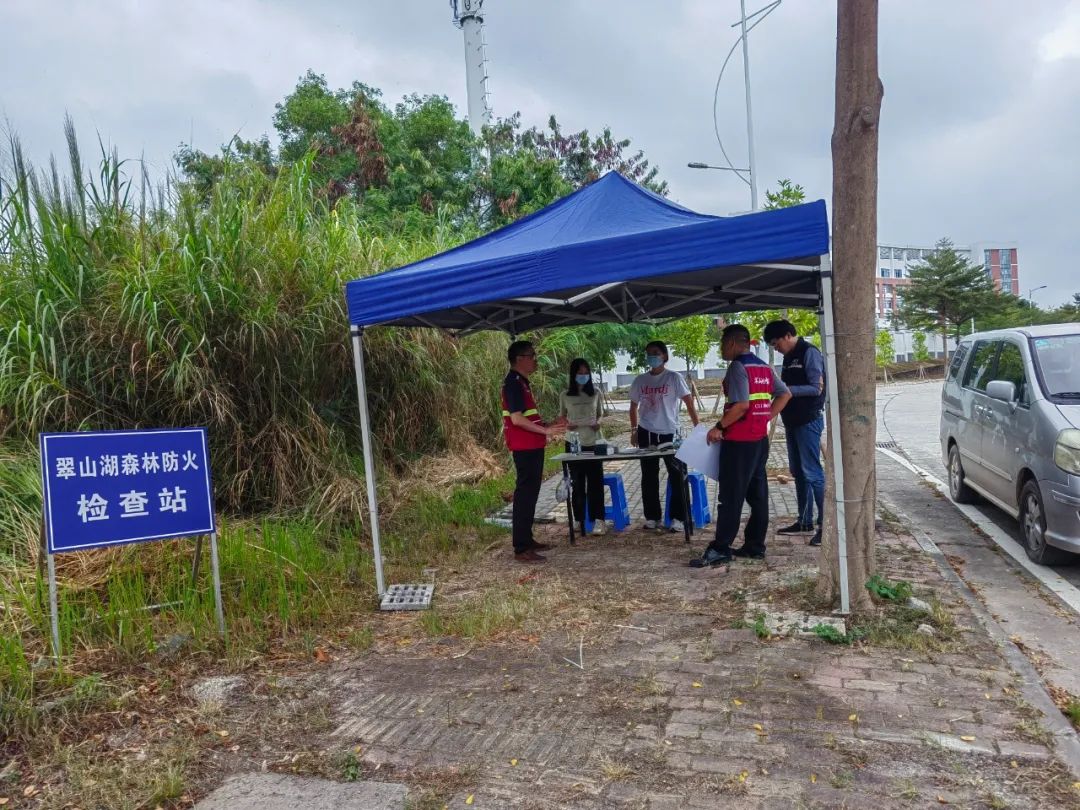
(611, 251)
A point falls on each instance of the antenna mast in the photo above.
(469, 17)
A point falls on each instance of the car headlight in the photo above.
(1067, 451)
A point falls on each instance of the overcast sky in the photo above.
(980, 122)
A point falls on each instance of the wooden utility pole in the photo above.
(854, 253)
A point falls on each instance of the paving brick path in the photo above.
(677, 708)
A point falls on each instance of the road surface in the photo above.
(1036, 605)
(909, 415)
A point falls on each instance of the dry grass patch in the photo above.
(123, 781)
(613, 770)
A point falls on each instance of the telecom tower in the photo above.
(469, 17)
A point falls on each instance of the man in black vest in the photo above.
(804, 375)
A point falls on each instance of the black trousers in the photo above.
(587, 479)
(742, 478)
(650, 479)
(529, 465)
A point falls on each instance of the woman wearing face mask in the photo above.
(580, 404)
(654, 415)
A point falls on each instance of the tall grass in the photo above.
(124, 306)
(128, 304)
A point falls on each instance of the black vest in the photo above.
(799, 410)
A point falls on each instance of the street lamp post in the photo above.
(746, 23)
(697, 165)
(752, 171)
(1034, 290)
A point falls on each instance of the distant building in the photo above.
(893, 275)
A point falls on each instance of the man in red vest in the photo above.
(753, 395)
(526, 436)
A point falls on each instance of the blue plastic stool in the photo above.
(699, 500)
(619, 511)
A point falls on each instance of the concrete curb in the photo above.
(1066, 742)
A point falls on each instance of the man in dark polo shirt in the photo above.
(526, 436)
(804, 375)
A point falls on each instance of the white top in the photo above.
(657, 397)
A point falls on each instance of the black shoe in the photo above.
(796, 528)
(743, 551)
(710, 558)
(816, 539)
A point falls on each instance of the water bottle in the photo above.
(575, 441)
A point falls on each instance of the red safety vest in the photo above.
(517, 438)
(753, 426)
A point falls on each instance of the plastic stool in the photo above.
(699, 500)
(619, 511)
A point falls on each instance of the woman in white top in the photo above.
(581, 405)
(654, 415)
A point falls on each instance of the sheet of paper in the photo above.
(697, 454)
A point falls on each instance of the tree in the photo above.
(203, 171)
(857, 117)
(787, 195)
(946, 292)
(918, 341)
(530, 168)
(689, 338)
(885, 352)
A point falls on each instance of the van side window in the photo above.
(980, 370)
(958, 359)
(1010, 367)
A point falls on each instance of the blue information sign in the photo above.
(125, 486)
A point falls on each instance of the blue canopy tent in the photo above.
(611, 251)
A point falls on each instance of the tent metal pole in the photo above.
(828, 331)
(369, 454)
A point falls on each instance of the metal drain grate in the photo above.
(888, 445)
(407, 597)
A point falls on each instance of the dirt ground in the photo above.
(612, 676)
(630, 680)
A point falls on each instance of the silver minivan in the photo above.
(1010, 431)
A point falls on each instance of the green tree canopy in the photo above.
(918, 342)
(406, 163)
(946, 292)
(689, 338)
(786, 195)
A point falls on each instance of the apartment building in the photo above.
(893, 272)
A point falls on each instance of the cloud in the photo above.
(978, 122)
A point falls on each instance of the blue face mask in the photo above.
(654, 360)
(582, 379)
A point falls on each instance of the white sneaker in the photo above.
(652, 524)
(677, 525)
(600, 527)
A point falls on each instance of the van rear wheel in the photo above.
(1033, 523)
(958, 488)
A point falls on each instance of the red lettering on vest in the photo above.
(753, 426)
